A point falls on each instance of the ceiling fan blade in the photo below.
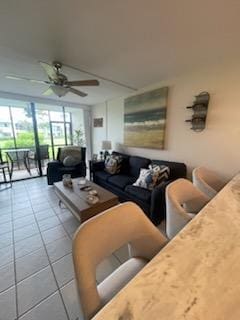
(13, 77)
(48, 92)
(79, 93)
(83, 83)
(50, 70)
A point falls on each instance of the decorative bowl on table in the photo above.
(93, 192)
(92, 199)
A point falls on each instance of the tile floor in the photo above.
(36, 271)
(23, 173)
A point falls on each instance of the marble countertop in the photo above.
(196, 276)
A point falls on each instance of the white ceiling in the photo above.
(135, 42)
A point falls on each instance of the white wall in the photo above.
(217, 147)
(81, 119)
(77, 118)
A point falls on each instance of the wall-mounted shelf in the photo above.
(200, 108)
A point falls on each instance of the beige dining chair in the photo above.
(98, 238)
(207, 181)
(183, 202)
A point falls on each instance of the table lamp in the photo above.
(106, 146)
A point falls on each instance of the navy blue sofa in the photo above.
(152, 202)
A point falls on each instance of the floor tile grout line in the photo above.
(16, 219)
(15, 268)
(13, 285)
(65, 308)
(27, 225)
(5, 214)
(37, 304)
(34, 233)
(68, 236)
(9, 262)
(32, 275)
(36, 249)
(13, 244)
(2, 234)
(64, 228)
(42, 267)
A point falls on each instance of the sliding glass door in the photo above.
(17, 140)
(55, 126)
(30, 135)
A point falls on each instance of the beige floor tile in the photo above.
(34, 289)
(31, 263)
(8, 304)
(63, 270)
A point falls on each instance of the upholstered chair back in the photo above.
(73, 151)
(102, 235)
(207, 181)
(183, 202)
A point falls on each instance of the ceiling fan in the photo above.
(57, 81)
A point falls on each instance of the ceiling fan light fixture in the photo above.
(59, 84)
(60, 91)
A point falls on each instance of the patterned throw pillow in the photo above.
(113, 164)
(162, 171)
(150, 178)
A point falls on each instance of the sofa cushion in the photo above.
(140, 193)
(103, 175)
(121, 180)
(136, 163)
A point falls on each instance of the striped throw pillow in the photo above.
(150, 178)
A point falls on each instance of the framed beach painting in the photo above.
(145, 119)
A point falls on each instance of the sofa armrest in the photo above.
(82, 168)
(53, 171)
(158, 203)
(97, 166)
(55, 164)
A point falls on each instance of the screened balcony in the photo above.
(30, 135)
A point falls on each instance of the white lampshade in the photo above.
(106, 145)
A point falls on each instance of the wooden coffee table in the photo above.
(75, 199)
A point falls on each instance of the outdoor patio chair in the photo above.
(18, 157)
(44, 155)
(5, 166)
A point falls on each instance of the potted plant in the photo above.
(79, 138)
